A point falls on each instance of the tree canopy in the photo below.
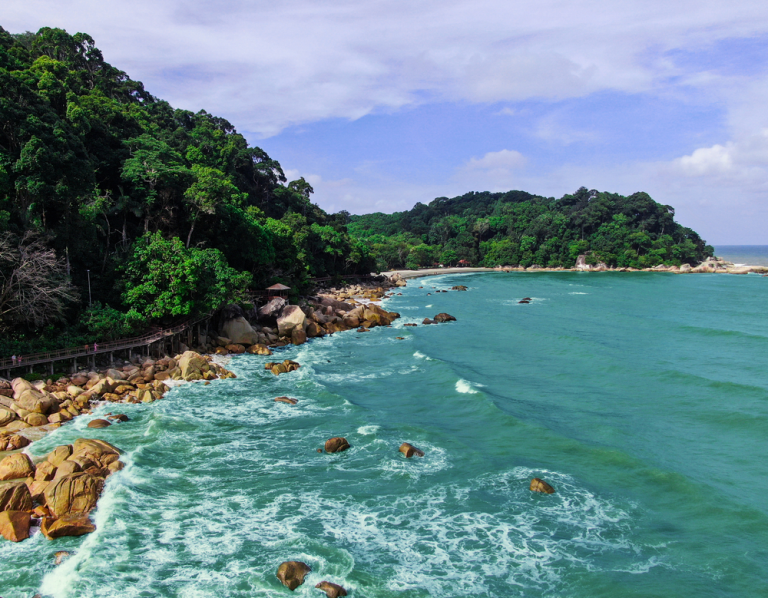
(147, 201)
(518, 228)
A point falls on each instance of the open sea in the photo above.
(750, 255)
(642, 398)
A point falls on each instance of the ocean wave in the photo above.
(465, 387)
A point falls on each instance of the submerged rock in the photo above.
(409, 450)
(332, 590)
(292, 573)
(288, 400)
(336, 444)
(99, 423)
(444, 317)
(539, 485)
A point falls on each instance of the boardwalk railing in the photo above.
(107, 347)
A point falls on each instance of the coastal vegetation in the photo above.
(518, 228)
(118, 211)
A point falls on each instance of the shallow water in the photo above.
(642, 398)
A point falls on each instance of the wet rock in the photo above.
(400, 338)
(15, 497)
(99, 423)
(426, 321)
(527, 299)
(258, 349)
(298, 336)
(336, 445)
(444, 317)
(235, 349)
(539, 485)
(192, 366)
(67, 525)
(292, 573)
(459, 287)
(98, 451)
(120, 417)
(523, 301)
(409, 450)
(314, 330)
(14, 525)
(60, 556)
(410, 324)
(332, 590)
(288, 400)
(73, 494)
(363, 330)
(15, 466)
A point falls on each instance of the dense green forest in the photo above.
(517, 228)
(118, 211)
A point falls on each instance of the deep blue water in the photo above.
(641, 397)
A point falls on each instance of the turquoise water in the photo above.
(643, 399)
(752, 255)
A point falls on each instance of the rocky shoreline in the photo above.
(711, 265)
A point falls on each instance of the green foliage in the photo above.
(104, 322)
(164, 279)
(517, 228)
(92, 162)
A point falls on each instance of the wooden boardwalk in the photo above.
(160, 337)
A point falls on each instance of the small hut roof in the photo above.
(278, 287)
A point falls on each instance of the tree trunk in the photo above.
(189, 236)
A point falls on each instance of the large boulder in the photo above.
(292, 317)
(73, 494)
(292, 573)
(19, 385)
(336, 444)
(240, 332)
(6, 417)
(314, 330)
(60, 454)
(331, 301)
(15, 497)
(98, 451)
(273, 308)
(409, 450)
(37, 402)
(258, 349)
(15, 466)
(14, 525)
(539, 485)
(192, 365)
(444, 317)
(332, 590)
(68, 525)
(298, 336)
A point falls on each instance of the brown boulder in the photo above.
(15, 466)
(37, 402)
(60, 556)
(332, 590)
(14, 525)
(93, 449)
(259, 349)
(68, 525)
(36, 419)
(298, 336)
(99, 423)
(235, 349)
(120, 417)
(428, 321)
(288, 400)
(75, 493)
(15, 497)
(336, 445)
(539, 485)
(13, 442)
(44, 472)
(409, 450)
(6, 417)
(59, 417)
(292, 573)
(59, 454)
(65, 468)
(444, 317)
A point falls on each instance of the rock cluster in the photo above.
(282, 368)
(29, 410)
(58, 492)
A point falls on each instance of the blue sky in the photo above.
(380, 104)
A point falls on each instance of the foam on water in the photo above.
(465, 387)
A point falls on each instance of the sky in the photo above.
(382, 104)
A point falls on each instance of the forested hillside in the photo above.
(517, 228)
(167, 212)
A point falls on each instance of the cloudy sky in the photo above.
(380, 104)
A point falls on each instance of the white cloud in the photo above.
(502, 160)
(266, 66)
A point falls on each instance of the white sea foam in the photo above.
(465, 387)
(578, 293)
(368, 430)
(420, 355)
